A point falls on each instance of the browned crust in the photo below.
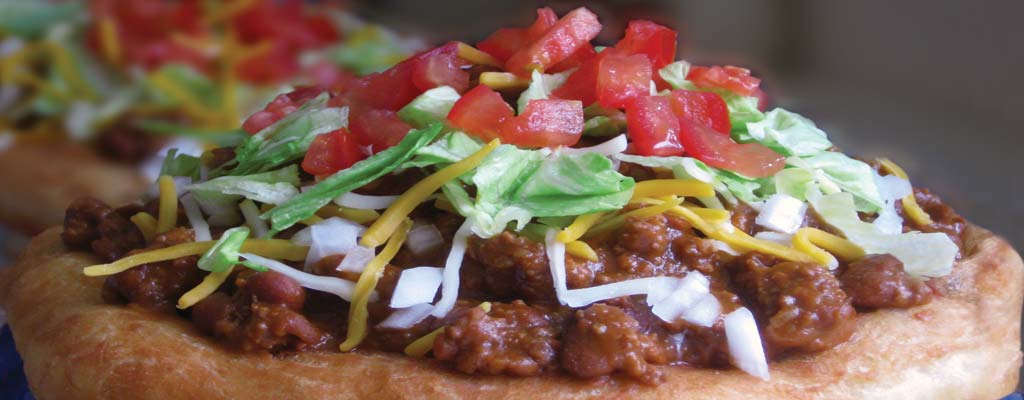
(963, 346)
(39, 180)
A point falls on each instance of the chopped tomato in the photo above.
(377, 129)
(331, 152)
(656, 42)
(146, 29)
(762, 99)
(719, 151)
(440, 67)
(284, 22)
(506, 41)
(575, 60)
(326, 75)
(546, 123)
(481, 112)
(282, 105)
(704, 108)
(276, 64)
(581, 84)
(733, 79)
(653, 127)
(621, 78)
(558, 43)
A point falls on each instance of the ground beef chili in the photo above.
(800, 308)
(944, 219)
(126, 143)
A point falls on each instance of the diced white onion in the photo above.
(338, 287)
(704, 311)
(332, 236)
(424, 238)
(405, 318)
(364, 202)
(303, 237)
(450, 277)
(195, 218)
(724, 247)
(782, 213)
(582, 297)
(745, 343)
(252, 219)
(416, 286)
(356, 259)
(151, 167)
(556, 262)
(686, 293)
(891, 188)
(616, 145)
(780, 238)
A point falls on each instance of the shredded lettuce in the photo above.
(32, 19)
(541, 86)
(180, 165)
(183, 77)
(219, 197)
(742, 109)
(430, 107)
(369, 49)
(730, 185)
(286, 140)
(224, 253)
(307, 203)
(789, 134)
(451, 148)
(223, 138)
(835, 172)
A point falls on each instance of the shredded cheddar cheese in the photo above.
(146, 224)
(677, 187)
(210, 283)
(581, 249)
(579, 227)
(503, 80)
(65, 66)
(378, 233)
(645, 212)
(357, 313)
(738, 239)
(351, 214)
(110, 42)
(189, 102)
(271, 248)
(475, 56)
(420, 347)
(814, 241)
(168, 216)
(910, 206)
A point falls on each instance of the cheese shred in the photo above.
(814, 242)
(351, 214)
(110, 43)
(210, 283)
(271, 248)
(379, 232)
(645, 212)
(677, 187)
(146, 224)
(579, 226)
(910, 206)
(420, 347)
(476, 56)
(357, 314)
(581, 249)
(503, 80)
(168, 216)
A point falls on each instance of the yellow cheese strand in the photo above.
(678, 187)
(351, 214)
(110, 43)
(168, 216)
(738, 239)
(476, 56)
(271, 248)
(642, 213)
(420, 347)
(210, 283)
(910, 206)
(581, 249)
(146, 224)
(503, 80)
(226, 11)
(65, 66)
(377, 233)
(579, 227)
(189, 102)
(711, 215)
(312, 219)
(357, 313)
(813, 242)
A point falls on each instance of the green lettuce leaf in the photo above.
(730, 185)
(187, 78)
(180, 165)
(789, 134)
(742, 109)
(32, 19)
(430, 107)
(367, 50)
(451, 148)
(834, 172)
(219, 197)
(224, 253)
(541, 86)
(307, 203)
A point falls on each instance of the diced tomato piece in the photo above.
(546, 123)
(704, 108)
(390, 89)
(284, 22)
(582, 83)
(733, 79)
(719, 151)
(481, 112)
(325, 74)
(377, 129)
(558, 43)
(331, 152)
(282, 105)
(575, 60)
(762, 99)
(440, 67)
(657, 42)
(652, 127)
(145, 30)
(276, 64)
(504, 42)
(621, 78)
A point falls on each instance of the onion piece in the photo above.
(424, 238)
(745, 343)
(364, 202)
(332, 236)
(329, 284)
(616, 145)
(704, 311)
(582, 297)
(450, 276)
(780, 238)
(356, 259)
(416, 286)
(782, 213)
(195, 218)
(687, 292)
(252, 218)
(556, 261)
(405, 318)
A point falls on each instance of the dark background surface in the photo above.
(934, 85)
